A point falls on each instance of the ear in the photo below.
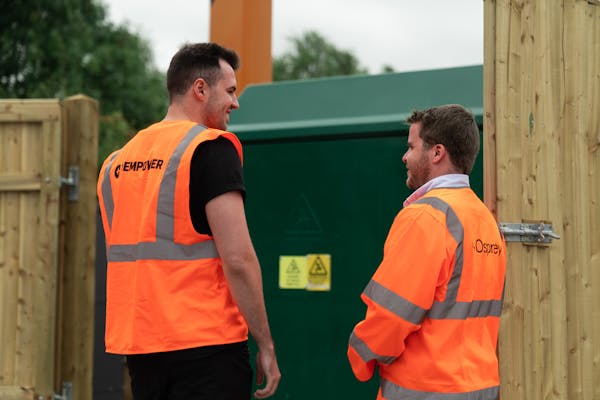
(199, 88)
(438, 153)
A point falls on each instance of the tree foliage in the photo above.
(312, 56)
(386, 69)
(41, 44)
(57, 48)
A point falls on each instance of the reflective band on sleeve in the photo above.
(162, 250)
(394, 303)
(464, 310)
(366, 353)
(391, 391)
(109, 204)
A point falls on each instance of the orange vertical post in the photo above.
(245, 26)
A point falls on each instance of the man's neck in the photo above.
(442, 181)
(181, 112)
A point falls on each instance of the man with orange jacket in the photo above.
(183, 281)
(434, 303)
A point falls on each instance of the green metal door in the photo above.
(334, 196)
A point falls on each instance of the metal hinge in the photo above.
(66, 392)
(72, 181)
(528, 232)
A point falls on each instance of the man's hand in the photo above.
(266, 366)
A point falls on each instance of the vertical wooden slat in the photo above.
(497, 18)
(9, 239)
(27, 267)
(577, 185)
(489, 104)
(547, 117)
(593, 121)
(47, 248)
(39, 220)
(544, 202)
(513, 340)
(77, 250)
(531, 268)
(571, 225)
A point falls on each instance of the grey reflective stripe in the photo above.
(109, 204)
(366, 353)
(165, 210)
(446, 309)
(458, 233)
(394, 303)
(391, 391)
(164, 248)
(463, 310)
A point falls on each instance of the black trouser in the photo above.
(219, 372)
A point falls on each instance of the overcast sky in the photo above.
(409, 35)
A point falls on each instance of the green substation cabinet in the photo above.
(325, 179)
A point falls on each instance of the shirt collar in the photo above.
(444, 181)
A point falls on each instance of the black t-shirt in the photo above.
(215, 169)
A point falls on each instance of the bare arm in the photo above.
(227, 221)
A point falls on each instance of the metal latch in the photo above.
(528, 232)
(72, 181)
(66, 392)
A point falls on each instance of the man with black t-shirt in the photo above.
(184, 284)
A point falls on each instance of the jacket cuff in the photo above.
(362, 371)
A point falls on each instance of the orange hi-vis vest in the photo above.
(434, 303)
(165, 287)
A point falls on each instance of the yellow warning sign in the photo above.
(319, 272)
(292, 272)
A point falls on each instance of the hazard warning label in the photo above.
(292, 272)
(319, 272)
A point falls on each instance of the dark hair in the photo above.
(452, 126)
(198, 60)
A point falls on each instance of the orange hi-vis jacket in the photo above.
(434, 303)
(165, 287)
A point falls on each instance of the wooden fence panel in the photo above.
(542, 137)
(47, 247)
(29, 197)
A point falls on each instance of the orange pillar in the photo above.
(245, 26)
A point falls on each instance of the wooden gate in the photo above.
(46, 252)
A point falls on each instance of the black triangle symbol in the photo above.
(318, 268)
(303, 218)
(293, 267)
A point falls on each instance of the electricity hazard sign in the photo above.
(319, 272)
(292, 272)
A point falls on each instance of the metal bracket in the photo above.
(536, 232)
(72, 180)
(66, 393)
